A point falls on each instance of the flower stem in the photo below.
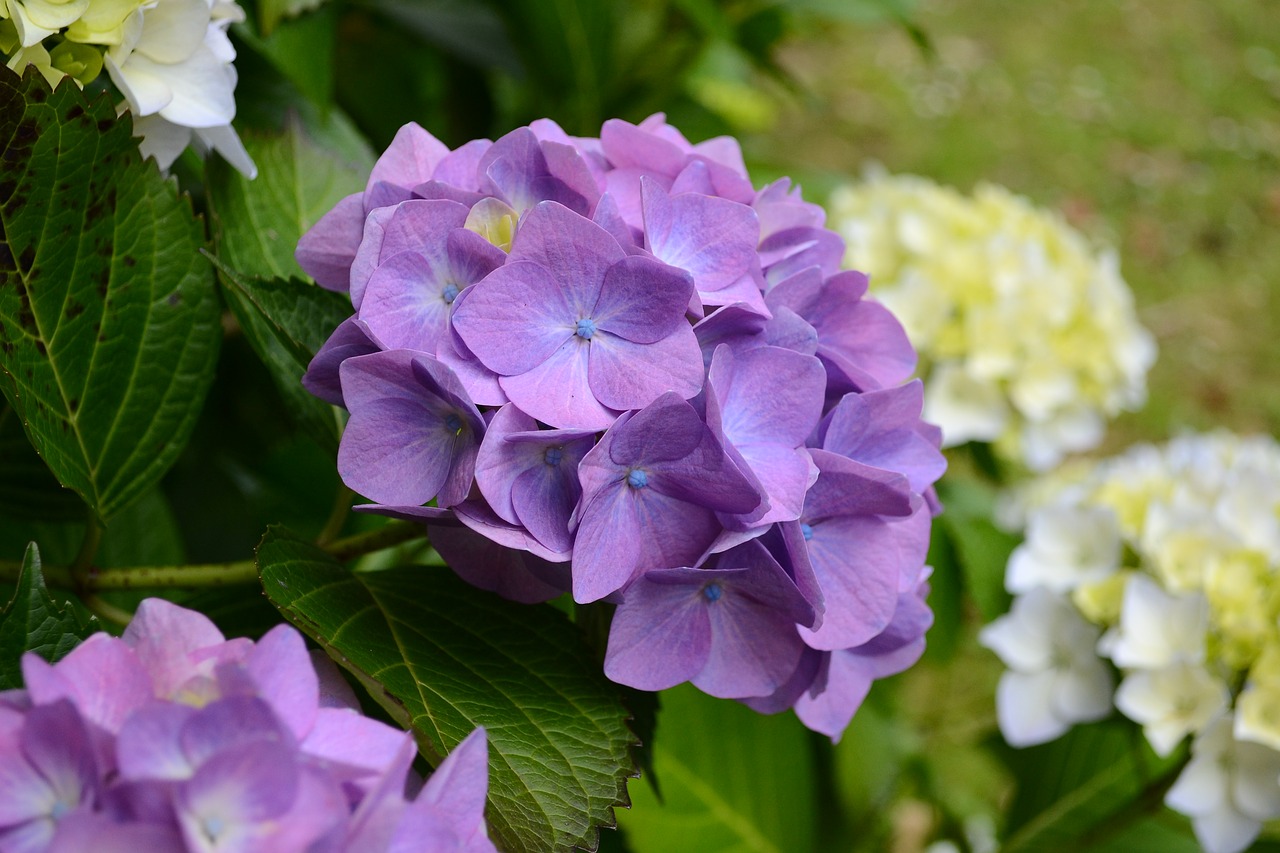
(89, 580)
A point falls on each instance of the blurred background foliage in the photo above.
(1152, 126)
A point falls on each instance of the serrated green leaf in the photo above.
(108, 315)
(28, 488)
(304, 169)
(732, 780)
(34, 622)
(445, 657)
(286, 321)
(1090, 784)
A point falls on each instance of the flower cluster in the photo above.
(171, 60)
(613, 367)
(173, 738)
(1028, 338)
(1164, 562)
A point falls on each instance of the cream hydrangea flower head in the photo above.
(171, 59)
(1188, 601)
(1028, 335)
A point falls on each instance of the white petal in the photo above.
(1225, 831)
(1024, 708)
(173, 30)
(1200, 789)
(161, 139)
(146, 93)
(225, 141)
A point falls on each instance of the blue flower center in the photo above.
(712, 592)
(806, 531)
(637, 479)
(453, 423)
(59, 810)
(586, 328)
(213, 827)
(449, 293)
(552, 456)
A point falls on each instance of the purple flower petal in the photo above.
(347, 341)
(285, 678)
(149, 745)
(102, 676)
(642, 300)
(410, 159)
(712, 239)
(326, 251)
(558, 391)
(883, 428)
(661, 633)
(369, 253)
(412, 434)
(519, 316)
(83, 831)
(624, 375)
(457, 789)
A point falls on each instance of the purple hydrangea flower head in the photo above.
(413, 433)
(578, 330)
(227, 746)
(655, 482)
(516, 299)
(729, 630)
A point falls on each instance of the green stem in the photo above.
(240, 573)
(337, 516)
(386, 536)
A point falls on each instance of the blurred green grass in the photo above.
(1152, 126)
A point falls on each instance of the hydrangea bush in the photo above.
(173, 738)
(1157, 569)
(613, 367)
(1027, 335)
(170, 59)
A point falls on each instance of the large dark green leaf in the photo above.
(33, 621)
(305, 167)
(732, 780)
(286, 321)
(445, 657)
(108, 316)
(27, 488)
(1089, 785)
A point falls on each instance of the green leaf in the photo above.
(108, 316)
(732, 780)
(33, 621)
(302, 49)
(305, 167)
(272, 12)
(471, 31)
(980, 548)
(445, 657)
(1088, 785)
(286, 321)
(28, 488)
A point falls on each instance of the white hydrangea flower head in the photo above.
(1055, 678)
(173, 64)
(1028, 335)
(1229, 788)
(1191, 607)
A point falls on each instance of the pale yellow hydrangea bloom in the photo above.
(1026, 334)
(1190, 604)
